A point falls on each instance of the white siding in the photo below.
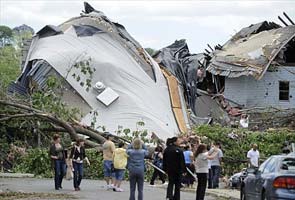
(265, 92)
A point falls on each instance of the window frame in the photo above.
(284, 91)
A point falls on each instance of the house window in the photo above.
(284, 90)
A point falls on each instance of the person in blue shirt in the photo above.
(189, 163)
(136, 167)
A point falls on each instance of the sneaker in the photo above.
(151, 185)
(119, 190)
(76, 189)
(165, 183)
(110, 187)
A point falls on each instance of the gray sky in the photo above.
(155, 23)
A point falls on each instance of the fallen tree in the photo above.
(21, 112)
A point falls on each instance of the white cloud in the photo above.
(155, 23)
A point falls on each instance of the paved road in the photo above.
(90, 189)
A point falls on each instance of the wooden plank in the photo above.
(180, 119)
(174, 94)
(175, 100)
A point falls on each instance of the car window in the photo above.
(270, 166)
(288, 164)
(262, 166)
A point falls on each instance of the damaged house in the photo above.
(106, 74)
(256, 67)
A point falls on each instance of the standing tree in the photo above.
(5, 36)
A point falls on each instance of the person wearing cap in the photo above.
(174, 166)
(77, 156)
(108, 150)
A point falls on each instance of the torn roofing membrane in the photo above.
(251, 51)
(91, 49)
(178, 60)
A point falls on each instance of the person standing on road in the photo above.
(58, 156)
(202, 170)
(174, 166)
(77, 156)
(120, 161)
(216, 165)
(253, 156)
(210, 185)
(158, 162)
(189, 163)
(108, 150)
(136, 167)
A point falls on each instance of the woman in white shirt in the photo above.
(201, 161)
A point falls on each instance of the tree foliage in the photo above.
(9, 65)
(237, 142)
(5, 36)
(150, 51)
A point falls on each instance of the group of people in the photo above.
(177, 162)
(59, 154)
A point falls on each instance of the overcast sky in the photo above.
(155, 24)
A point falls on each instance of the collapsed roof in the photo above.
(178, 60)
(107, 74)
(252, 50)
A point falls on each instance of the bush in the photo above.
(237, 142)
(37, 162)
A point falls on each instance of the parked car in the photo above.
(273, 180)
(236, 179)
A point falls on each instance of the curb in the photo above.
(224, 193)
(16, 175)
(229, 194)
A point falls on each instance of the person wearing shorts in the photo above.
(108, 150)
(120, 161)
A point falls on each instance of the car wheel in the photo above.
(242, 193)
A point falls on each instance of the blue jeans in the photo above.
(107, 168)
(215, 175)
(119, 174)
(59, 172)
(210, 178)
(136, 178)
(78, 174)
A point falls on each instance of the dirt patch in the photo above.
(35, 196)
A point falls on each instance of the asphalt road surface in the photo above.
(90, 189)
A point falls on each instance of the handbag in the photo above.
(69, 174)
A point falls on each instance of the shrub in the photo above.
(37, 162)
(237, 142)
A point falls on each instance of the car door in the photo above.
(263, 176)
(251, 181)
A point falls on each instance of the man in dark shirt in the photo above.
(174, 166)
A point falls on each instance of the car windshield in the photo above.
(288, 164)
